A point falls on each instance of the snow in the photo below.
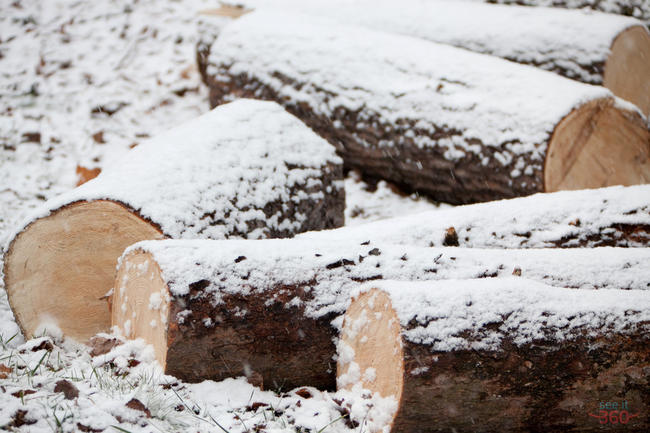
(333, 268)
(353, 373)
(370, 374)
(635, 8)
(535, 221)
(155, 301)
(368, 203)
(575, 42)
(357, 325)
(451, 315)
(388, 80)
(419, 370)
(377, 410)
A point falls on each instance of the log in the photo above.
(209, 25)
(193, 181)
(614, 216)
(633, 8)
(271, 308)
(431, 123)
(499, 355)
(594, 48)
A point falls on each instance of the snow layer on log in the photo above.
(330, 270)
(572, 43)
(462, 105)
(454, 314)
(614, 216)
(635, 8)
(214, 175)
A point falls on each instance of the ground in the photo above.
(80, 84)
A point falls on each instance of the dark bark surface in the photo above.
(280, 344)
(616, 235)
(540, 387)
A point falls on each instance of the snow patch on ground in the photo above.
(126, 389)
(366, 203)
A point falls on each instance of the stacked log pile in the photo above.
(595, 48)
(413, 112)
(190, 182)
(488, 316)
(272, 308)
(498, 355)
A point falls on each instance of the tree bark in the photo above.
(272, 308)
(190, 182)
(616, 217)
(584, 46)
(500, 355)
(413, 112)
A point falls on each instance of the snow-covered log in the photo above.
(594, 48)
(615, 216)
(271, 308)
(634, 8)
(245, 170)
(503, 354)
(458, 126)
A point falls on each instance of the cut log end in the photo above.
(141, 302)
(227, 11)
(627, 69)
(74, 250)
(372, 343)
(598, 145)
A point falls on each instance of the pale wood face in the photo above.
(141, 302)
(372, 329)
(60, 266)
(598, 145)
(627, 69)
(226, 11)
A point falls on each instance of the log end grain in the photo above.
(142, 311)
(627, 69)
(598, 144)
(228, 11)
(370, 349)
(59, 267)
